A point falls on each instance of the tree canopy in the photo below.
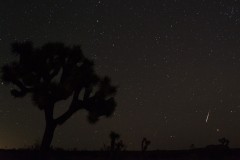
(56, 72)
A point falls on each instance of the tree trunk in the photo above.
(49, 129)
(47, 137)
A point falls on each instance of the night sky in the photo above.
(176, 62)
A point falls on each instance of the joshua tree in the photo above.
(114, 137)
(55, 72)
(120, 146)
(116, 144)
(145, 144)
(224, 141)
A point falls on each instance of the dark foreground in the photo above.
(197, 154)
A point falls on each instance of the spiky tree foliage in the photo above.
(56, 72)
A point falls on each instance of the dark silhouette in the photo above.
(114, 137)
(224, 141)
(116, 144)
(192, 146)
(120, 146)
(145, 144)
(56, 72)
(222, 146)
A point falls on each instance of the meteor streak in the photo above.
(207, 116)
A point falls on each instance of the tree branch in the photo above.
(87, 93)
(74, 107)
(65, 116)
(23, 90)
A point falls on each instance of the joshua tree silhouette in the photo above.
(145, 144)
(56, 72)
(115, 144)
(114, 137)
(120, 146)
(224, 141)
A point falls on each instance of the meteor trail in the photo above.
(207, 116)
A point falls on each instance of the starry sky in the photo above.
(176, 62)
